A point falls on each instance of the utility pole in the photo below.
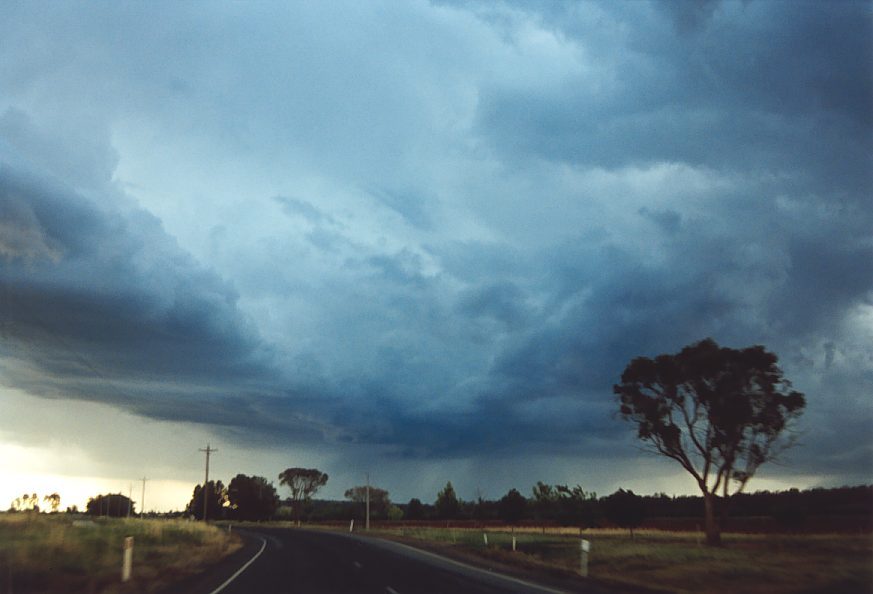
(367, 521)
(209, 450)
(142, 502)
(129, 498)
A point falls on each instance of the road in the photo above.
(314, 562)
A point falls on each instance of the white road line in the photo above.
(494, 574)
(390, 590)
(241, 569)
(357, 565)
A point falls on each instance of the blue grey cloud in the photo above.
(465, 216)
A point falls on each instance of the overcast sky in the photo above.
(422, 239)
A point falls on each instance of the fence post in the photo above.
(583, 565)
(127, 562)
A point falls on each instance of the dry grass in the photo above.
(678, 562)
(40, 553)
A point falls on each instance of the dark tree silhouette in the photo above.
(113, 505)
(414, 510)
(545, 502)
(447, 505)
(380, 501)
(251, 498)
(512, 507)
(303, 482)
(625, 509)
(217, 494)
(719, 412)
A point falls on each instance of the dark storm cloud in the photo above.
(764, 77)
(468, 248)
(104, 306)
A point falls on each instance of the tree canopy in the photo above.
(625, 509)
(113, 505)
(447, 505)
(251, 498)
(719, 412)
(217, 495)
(512, 507)
(380, 501)
(303, 483)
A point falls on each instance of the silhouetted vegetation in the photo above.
(719, 412)
(839, 509)
(447, 505)
(624, 509)
(113, 505)
(512, 507)
(414, 510)
(303, 483)
(251, 498)
(217, 494)
(380, 502)
(566, 506)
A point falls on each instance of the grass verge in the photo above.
(58, 553)
(676, 562)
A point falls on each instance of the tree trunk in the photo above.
(713, 530)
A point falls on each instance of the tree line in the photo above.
(253, 498)
(561, 505)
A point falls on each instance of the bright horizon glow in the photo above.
(160, 495)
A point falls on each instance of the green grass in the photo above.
(52, 553)
(679, 562)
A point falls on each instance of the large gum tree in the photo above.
(719, 412)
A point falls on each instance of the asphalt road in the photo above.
(313, 562)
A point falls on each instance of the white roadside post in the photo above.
(485, 537)
(127, 563)
(583, 565)
(513, 543)
(352, 526)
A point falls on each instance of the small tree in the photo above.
(54, 501)
(512, 507)
(217, 494)
(251, 498)
(576, 506)
(380, 500)
(625, 510)
(719, 412)
(303, 482)
(414, 509)
(545, 501)
(113, 505)
(447, 504)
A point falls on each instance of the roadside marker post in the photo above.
(127, 562)
(513, 544)
(352, 526)
(485, 537)
(583, 565)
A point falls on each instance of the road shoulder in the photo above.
(526, 571)
(213, 576)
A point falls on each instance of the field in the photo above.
(57, 553)
(677, 562)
